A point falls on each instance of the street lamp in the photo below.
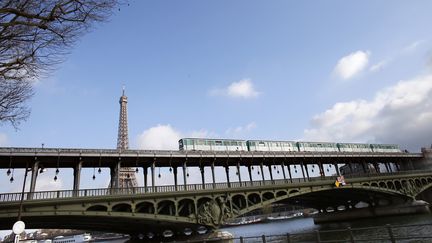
(19, 225)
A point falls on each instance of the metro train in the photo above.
(204, 144)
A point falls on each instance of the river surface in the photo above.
(297, 226)
(302, 225)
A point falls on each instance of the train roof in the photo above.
(259, 140)
(215, 139)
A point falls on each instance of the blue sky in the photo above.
(287, 70)
(343, 71)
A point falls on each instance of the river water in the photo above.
(302, 225)
(276, 231)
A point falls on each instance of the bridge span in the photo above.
(375, 179)
(149, 160)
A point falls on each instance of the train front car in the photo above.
(271, 146)
(385, 148)
(354, 147)
(317, 147)
(203, 144)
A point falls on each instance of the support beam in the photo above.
(115, 174)
(283, 170)
(185, 175)
(202, 176)
(271, 173)
(77, 176)
(307, 172)
(289, 172)
(303, 173)
(238, 171)
(34, 170)
(145, 171)
(262, 172)
(175, 177)
(321, 168)
(153, 166)
(337, 169)
(250, 174)
(213, 173)
(227, 175)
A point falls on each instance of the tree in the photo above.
(35, 36)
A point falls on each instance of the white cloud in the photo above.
(352, 64)
(399, 114)
(240, 129)
(165, 137)
(377, 67)
(413, 46)
(241, 89)
(159, 137)
(3, 139)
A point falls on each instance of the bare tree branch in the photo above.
(35, 35)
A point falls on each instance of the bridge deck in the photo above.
(101, 192)
(65, 157)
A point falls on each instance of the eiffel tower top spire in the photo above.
(123, 139)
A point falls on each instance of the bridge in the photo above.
(381, 179)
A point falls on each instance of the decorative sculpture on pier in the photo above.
(214, 212)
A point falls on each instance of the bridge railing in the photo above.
(43, 195)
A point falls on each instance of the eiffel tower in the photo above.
(127, 177)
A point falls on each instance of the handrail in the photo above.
(43, 195)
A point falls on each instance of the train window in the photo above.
(261, 144)
(218, 142)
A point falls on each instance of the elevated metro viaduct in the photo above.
(157, 208)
